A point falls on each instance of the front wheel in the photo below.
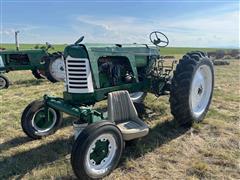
(4, 82)
(97, 150)
(35, 123)
(192, 88)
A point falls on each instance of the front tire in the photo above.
(35, 124)
(4, 82)
(192, 88)
(97, 150)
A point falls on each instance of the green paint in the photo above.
(41, 121)
(100, 151)
(138, 56)
(132, 52)
(104, 80)
(101, 94)
(86, 114)
(28, 60)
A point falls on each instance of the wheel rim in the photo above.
(57, 69)
(136, 96)
(201, 90)
(2, 83)
(100, 155)
(43, 124)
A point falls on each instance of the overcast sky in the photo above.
(187, 23)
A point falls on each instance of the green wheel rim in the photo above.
(100, 151)
(43, 124)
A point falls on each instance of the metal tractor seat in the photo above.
(122, 111)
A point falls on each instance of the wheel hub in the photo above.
(201, 90)
(100, 154)
(43, 124)
(57, 69)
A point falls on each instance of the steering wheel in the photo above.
(48, 45)
(154, 38)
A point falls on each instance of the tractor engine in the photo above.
(114, 71)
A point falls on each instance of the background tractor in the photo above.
(112, 72)
(39, 61)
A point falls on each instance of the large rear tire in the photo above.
(97, 150)
(192, 88)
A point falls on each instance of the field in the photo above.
(164, 51)
(209, 150)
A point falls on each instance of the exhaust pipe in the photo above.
(16, 40)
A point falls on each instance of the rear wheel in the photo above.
(55, 68)
(97, 150)
(37, 74)
(4, 82)
(35, 123)
(137, 99)
(192, 88)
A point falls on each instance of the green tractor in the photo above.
(122, 74)
(39, 61)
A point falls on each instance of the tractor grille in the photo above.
(79, 77)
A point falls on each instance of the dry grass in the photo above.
(209, 150)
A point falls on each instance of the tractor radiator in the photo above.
(78, 76)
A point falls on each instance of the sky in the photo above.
(187, 23)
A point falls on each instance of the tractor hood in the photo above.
(27, 51)
(88, 50)
(138, 55)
